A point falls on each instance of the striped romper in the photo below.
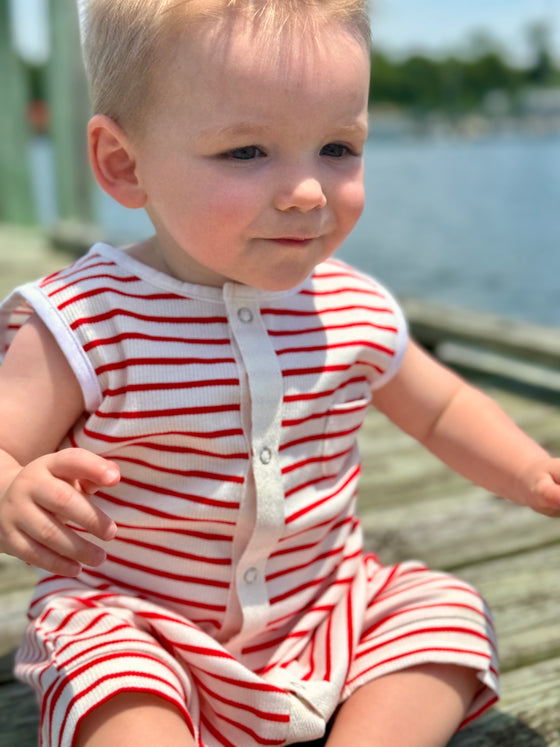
(237, 587)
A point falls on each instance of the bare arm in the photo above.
(42, 491)
(469, 432)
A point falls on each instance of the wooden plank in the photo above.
(13, 618)
(432, 324)
(469, 357)
(25, 254)
(412, 505)
(17, 582)
(451, 531)
(522, 591)
(528, 713)
(19, 716)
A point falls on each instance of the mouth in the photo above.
(295, 241)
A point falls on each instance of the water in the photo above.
(472, 223)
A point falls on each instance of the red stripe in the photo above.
(169, 386)
(155, 338)
(415, 652)
(436, 631)
(57, 687)
(305, 396)
(89, 278)
(107, 290)
(186, 434)
(314, 460)
(247, 730)
(297, 313)
(205, 475)
(112, 313)
(302, 566)
(335, 345)
(210, 536)
(309, 585)
(215, 733)
(341, 290)
(158, 573)
(151, 511)
(184, 449)
(323, 328)
(416, 608)
(124, 586)
(319, 437)
(166, 413)
(311, 545)
(76, 268)
(148, 362)
(214, 695)
(199, 499)
(313, 506)
(274, 642)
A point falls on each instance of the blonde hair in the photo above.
(125, 42)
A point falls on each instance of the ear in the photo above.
(113, 161)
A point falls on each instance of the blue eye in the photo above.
(335, 150)
(247, 153)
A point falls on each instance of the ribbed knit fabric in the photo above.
(237, 586)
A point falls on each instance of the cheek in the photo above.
(222, 202)
(351, 200)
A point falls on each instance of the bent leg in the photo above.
(134, 719)
(418, 707)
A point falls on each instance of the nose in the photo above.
(301, 193)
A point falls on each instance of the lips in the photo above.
(293, 240)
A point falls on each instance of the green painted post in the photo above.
(68, 97)
(16, 196)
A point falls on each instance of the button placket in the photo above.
(264, 379)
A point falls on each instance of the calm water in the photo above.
(471, 223)
(475, 224)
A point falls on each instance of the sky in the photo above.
(440, 25)
(399, 26)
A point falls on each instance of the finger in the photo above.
(47, 531)
(71, 506)
(43, 557)
(549, 498)
(32, 552)
(85, 466)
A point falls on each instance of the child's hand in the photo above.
(45, 495)
(540, 487)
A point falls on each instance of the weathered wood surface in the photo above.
(413, 507)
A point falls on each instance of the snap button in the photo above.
(245, 315)
(266, 455)
(250, 575)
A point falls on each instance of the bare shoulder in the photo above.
(40, 397)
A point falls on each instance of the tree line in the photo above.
(457, 85)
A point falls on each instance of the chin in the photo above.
(284, 281)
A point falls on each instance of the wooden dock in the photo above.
(414, 507)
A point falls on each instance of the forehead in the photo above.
(328, 58)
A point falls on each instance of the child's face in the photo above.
(252, 163)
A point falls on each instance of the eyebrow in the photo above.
(239, 129)
(251, 130)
